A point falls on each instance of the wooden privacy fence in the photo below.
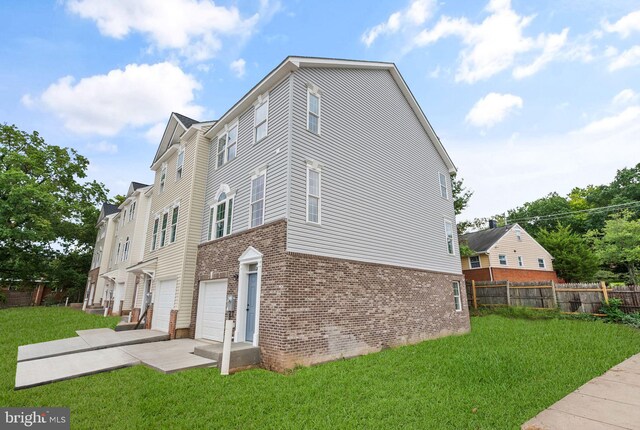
(583, 298)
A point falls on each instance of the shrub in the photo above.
(615, 315)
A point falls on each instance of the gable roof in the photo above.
(106, 210)
(185, 120)
(481, 241)
(176, 126)
(293, 63)
(137, 185)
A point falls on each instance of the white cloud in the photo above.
(155, 132)
(139, 95)
(625, 25)
(625, 97)
(492, 109)
(493, 45)
(194, 28)
(103, 147)
(628, 117)
(628, 58)
(417, 13)
(238, 67)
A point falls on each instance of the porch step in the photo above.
(124, 326)
(242, 354)
(95, 311)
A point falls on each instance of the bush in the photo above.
(3, 297)
(615, 315)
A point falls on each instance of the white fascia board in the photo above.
(168, 153)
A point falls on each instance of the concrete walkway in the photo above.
(102, 350)
(610, 401)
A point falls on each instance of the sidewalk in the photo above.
(610, 401)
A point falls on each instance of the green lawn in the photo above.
(506, 370)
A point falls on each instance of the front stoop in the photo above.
(243, 355)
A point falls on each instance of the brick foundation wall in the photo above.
(147, 323)
(315, 309)
(513, 275)
(173, 316)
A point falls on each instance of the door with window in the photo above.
(252, 289)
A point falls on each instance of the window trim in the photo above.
(479, 262)
(256, 175)
(225, 152)
(154, 233)
(444, 189)
(506, 262)
(520, 261)
(544, 263)
(457, 303)
(228, 223)
(315, 168)
(315, 91)
(163, 178)
(262, 100)
(180, 164)
(446, 237)
(125, 251)
(132, 210)
(518, 232)
(163, 228)
(173, 231)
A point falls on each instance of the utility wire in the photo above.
(567, 214)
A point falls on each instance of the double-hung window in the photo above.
(174, 224)
(541, 263)
(163, 233)
(502, 259)
(448, 232)
(313, 195)
(258, 183)
(261, 120)
(227, 146)
(125, 253)
(179, 164)
(457, 298)
(220, 217)
(443, 185)
(118, 252)
(313, 111)
(132, 211)
(154, 237)
(163, 177)
(222, 145)
(520, 261)
(474, 261)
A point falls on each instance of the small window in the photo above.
(313, 112)
(118, 252)
(163, 177)
(502, 259)
(261, 121)
(154, 237)
(179, 164)
(448, 231)
(163, 234)
(443, 186)
(124, 216)
(222, 144)
(518, 233)
(313, 195)
(174, 224)
(474, 262)
(227, 146)
(125, 253)
(257, 200)
(132, 211)
(220, 217)
(541, 263)
(457, 299)
(520, 261)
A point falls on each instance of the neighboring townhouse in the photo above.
(506, 253)
(167, 267)
(327, 228)
(95, 291)
(127, 247)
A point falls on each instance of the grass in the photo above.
(498, 376)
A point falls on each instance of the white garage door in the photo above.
(163, 304)
(211, 305)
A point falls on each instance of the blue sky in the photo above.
(527, 97)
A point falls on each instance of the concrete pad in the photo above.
(242, 354)
(46, 370)
(612, 390)
(630, 365)
(52, 348)
(551, 419)
(608, 411)
(107, 338)
(625, 377)
(169, 357)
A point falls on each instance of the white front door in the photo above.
(211, 310)
(118, 295)
(163, 304)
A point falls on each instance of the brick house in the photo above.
(506, 253)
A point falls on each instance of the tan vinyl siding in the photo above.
(484, 262)
(528, 248)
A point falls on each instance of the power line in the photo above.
(559, 215)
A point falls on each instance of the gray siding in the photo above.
(380, 193)
(272, 151)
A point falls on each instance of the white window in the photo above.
(179, 164)
(125, 253)
(520, 261)
(541, 263)
(261, 120)
(502, 259)
(123, 217)
(163, 177)
(163, 233)
(118, 252)
(220, 217)
(457, 299)
(313, 195)
(448, 232)
(258, 183)
(132, 211)
(227, 145)
(313, 111)
(154, 237)
(443, 185)
(518, 233)
(174, 224)
(474, 262)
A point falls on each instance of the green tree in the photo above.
(46, 213)
(619, 244)
(574, 261)
(460, 193)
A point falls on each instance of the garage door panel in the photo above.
(210, 320)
